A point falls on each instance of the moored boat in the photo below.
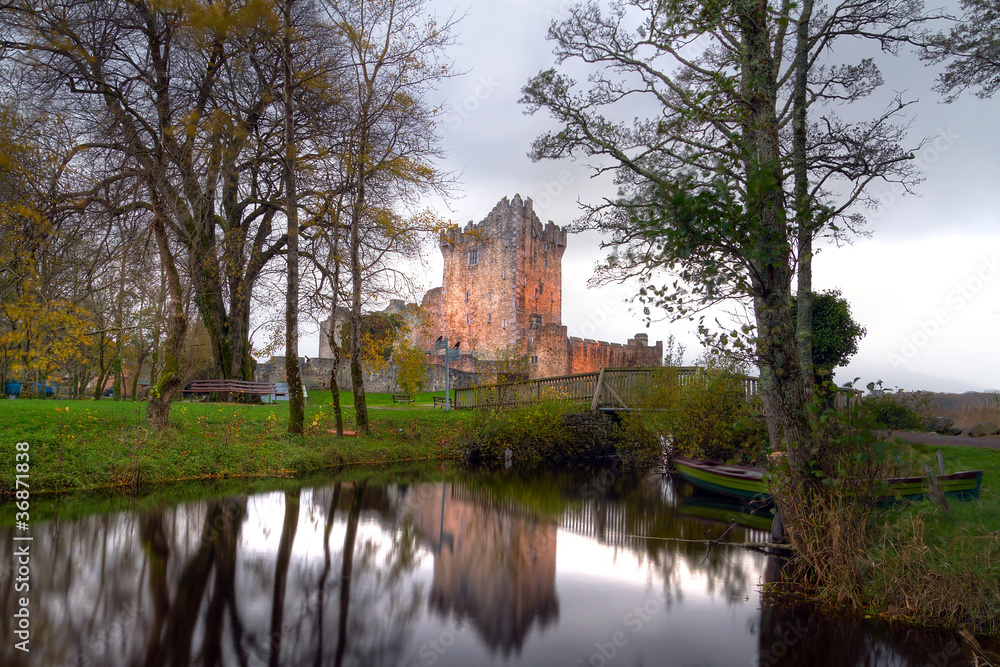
(728, 510)
(751, 482)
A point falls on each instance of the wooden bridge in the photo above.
(607, 389)
(610, 389)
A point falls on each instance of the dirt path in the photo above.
(936, 439)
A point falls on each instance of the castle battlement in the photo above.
(501, 292)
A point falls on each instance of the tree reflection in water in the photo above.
(369, 574)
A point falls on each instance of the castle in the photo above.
(501, 293)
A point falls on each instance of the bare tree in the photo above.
(394, 56)
(971, 50)
(704, 179)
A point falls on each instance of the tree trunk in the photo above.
(143, 353)
(357, 375)
(777, 351)
(357, 211)
(803, 205)
(296, 407)
(102, 371)
(338, 413)
(169, 380)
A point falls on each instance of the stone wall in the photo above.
(316, 375)
(586, 355)
(547, 351)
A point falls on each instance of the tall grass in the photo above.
(903, 561)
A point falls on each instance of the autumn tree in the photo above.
(180, 95)
(393, 57)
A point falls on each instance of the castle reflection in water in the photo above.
(491, 565)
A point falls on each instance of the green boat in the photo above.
(727, 509)
(749, 482)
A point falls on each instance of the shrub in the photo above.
(554, 430)
(412, 373)
(636, 443)
(706, 415)
(533, 433)
(896, 410)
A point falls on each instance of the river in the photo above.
(580, 567)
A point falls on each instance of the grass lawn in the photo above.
(981, 517)
(85, 445)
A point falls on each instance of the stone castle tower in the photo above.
(501, 276)
(502, 292)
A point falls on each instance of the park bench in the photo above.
(230, 387)
(401, 398)
(439, 400)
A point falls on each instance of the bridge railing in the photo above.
(578, 387)
(618, 387)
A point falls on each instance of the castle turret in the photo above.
(499, 275)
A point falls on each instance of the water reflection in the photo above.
(568, 568)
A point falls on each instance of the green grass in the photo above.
(914, 563)
(83, 445)
(981, 517)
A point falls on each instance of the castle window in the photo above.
(489, 296)
(545, 261)
(545, 245)
(467, 296)
(536, 292)
(503, 324)
(524, 332)
(541, 287)
(489, 318)
(505, 274)
(468, 318)
(473, 257)
(534, 360)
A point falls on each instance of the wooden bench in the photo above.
(401, 398)
(230, 387)
(439, 400)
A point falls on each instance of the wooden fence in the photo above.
(610, 388)
(617, 388)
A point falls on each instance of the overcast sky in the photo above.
(926, 284)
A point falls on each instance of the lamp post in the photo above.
(450, 353)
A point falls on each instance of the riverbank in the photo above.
(913, 563)
(82, 446)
